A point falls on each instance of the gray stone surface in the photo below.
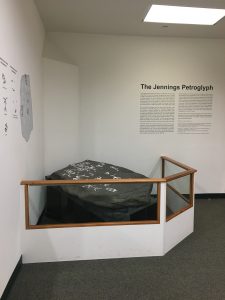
(26, 114)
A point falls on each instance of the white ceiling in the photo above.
(121, 17)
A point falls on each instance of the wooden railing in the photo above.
(188, 171)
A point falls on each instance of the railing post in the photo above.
(158, 201)
(163, 167)
(27, 215)
(162, 202)
(191, 189)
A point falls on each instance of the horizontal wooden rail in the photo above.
(178, 175)
(92, 181)
(188, 171)
(177, 163)
(93, 224)
(180, 211)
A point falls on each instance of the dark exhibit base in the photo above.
(61, 208)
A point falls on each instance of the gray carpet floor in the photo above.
(194, 269)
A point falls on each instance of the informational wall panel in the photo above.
(179, 109)
(157, 112)
(194, 113)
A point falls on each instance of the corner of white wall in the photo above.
(61, 114)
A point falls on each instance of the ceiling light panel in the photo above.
(184, 15)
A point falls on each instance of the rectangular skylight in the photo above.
(184, 15)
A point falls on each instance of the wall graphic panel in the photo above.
(9, 106)
(14, 104)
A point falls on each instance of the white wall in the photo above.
(21, 43)
(111, 69)
(61, 112)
